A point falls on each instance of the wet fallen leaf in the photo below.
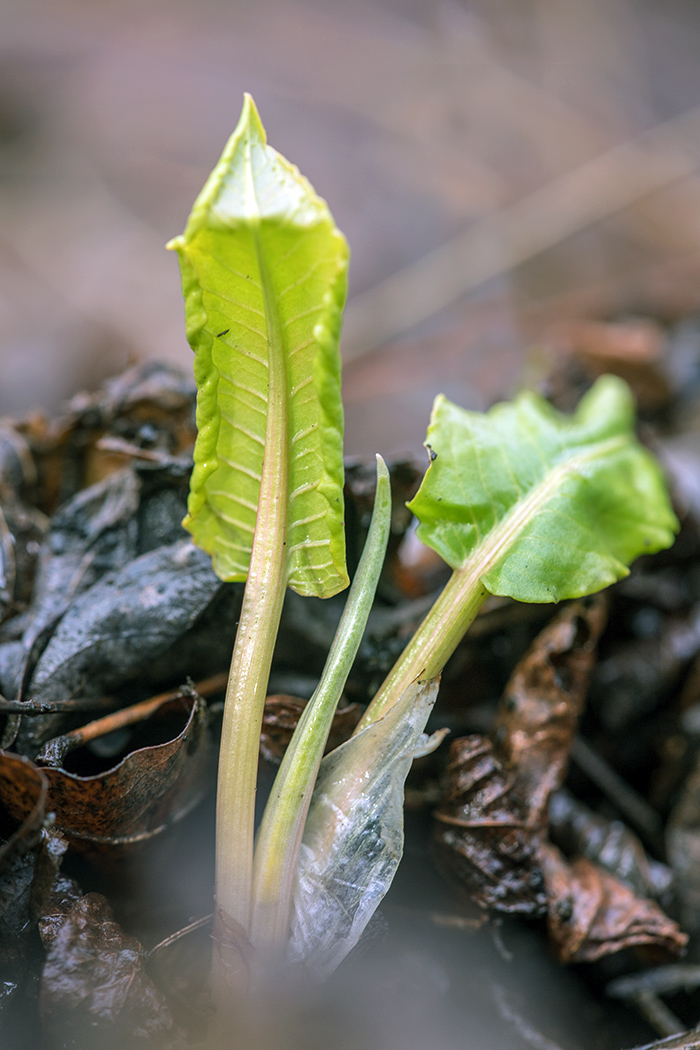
(593, 914)
(90, 535)
(101, 529)
(94, 982)
(640, 674)
(17, 866)
(24, 794)
(21, 532)
(30, 858)
(683, 846)
(137, 796)
(64, 894)
(113, 631)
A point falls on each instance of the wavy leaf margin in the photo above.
(264, 270)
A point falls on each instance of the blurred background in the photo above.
(503, 170)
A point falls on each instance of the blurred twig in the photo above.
(500, 241)
(633, 807)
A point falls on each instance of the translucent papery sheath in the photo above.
(353, 839)
(264, 274)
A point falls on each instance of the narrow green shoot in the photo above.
(279, 837)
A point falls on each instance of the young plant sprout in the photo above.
(527, 503)
(520, 501)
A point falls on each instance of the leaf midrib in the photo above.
(492, 548)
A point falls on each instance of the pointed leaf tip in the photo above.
(249, 121)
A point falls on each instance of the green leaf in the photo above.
(540, 505)
(264, 274)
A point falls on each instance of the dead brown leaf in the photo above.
(94, 979)
(495, 805)
(280, 717)
(491, 827)
(592, 914)
(540, 708)
(480, 836)
(138, 797)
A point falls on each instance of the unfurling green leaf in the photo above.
(541, 505)
(264, 278)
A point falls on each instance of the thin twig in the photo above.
(678, 977)
(55, 750)
(656, 1013)
(689, 1040)
(196, 925)
(120, 447)
(525, 1030)
(498, 242)
(631, 805)
(39, 707)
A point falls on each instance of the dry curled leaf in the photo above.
(491, 827)
(593, 914)
(541, 705)
(149, 406)
(153, 786)
(577, 830)
(481, 838)
(495, 807)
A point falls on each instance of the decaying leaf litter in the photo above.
(106, 605)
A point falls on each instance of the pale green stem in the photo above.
(434, 642)
(255, 641)
(280, 833)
